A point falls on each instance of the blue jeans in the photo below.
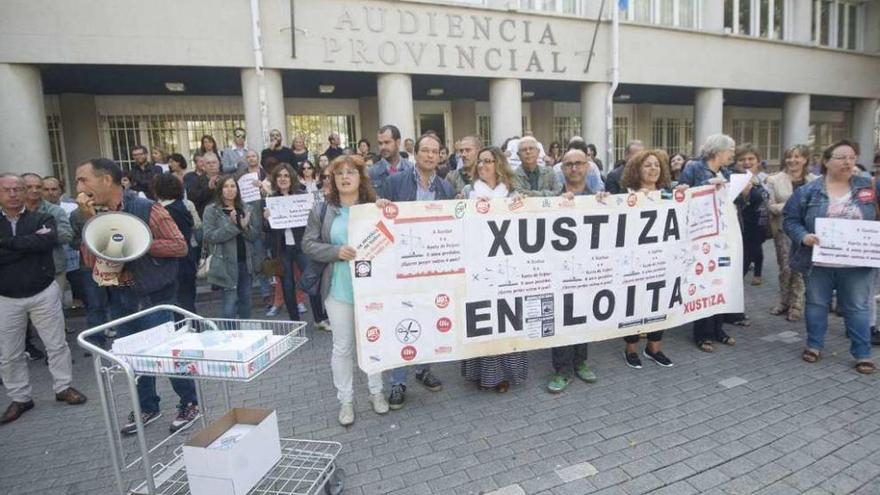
(291, 255)
(146, 385)
(399, 375)
(854, 293)
(237, 301)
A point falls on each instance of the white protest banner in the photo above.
(290, 211)
(847, 242)
(451, 280)
(248, 184)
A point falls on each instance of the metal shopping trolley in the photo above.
(306, 466)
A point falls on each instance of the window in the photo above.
(764, 134)
(484, 129)
(675, 135)
(170, 133)
(558, 6)
(56, 146)
(621, 137)
(677, 13)
(836, 24)
(759, 18)
(316, 128)
(822, 134)
(564, 128)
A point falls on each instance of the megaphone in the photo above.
(115, 238)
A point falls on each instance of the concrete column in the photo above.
(863, 115)
(464, 118)
(542, 121)
(708, 114)
(396, 103)
(369, 110)
(258, 133)
(79, 119)
(870, 23)
(505, 108)
(594, 127)
(795, 120)
(800, 22)
(24, 135)
(712, 14)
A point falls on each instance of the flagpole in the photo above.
(615, 78)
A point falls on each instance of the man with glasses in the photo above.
(28, 290)
(235, 154)
(572, 358)
(142, 171)
(531, 179)
(420, 183)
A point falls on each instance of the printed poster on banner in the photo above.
(290, 211)
(451, 280)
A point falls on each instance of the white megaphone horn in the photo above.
(115, 238)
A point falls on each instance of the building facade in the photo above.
(82, 78)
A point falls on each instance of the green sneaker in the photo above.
(557, 383)
(585, 373)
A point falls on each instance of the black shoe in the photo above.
(429, 381)
(875, 336)
(397, 397)
(658, 357)
(130, 428)
(632, 360)
(15, 410)
(72, 396)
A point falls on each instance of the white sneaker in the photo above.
(346, 413)
(273, 311)
(301, 308)
(324, 325)
(380, 405)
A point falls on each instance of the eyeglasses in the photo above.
(487, 161)
(573, 164)
(10, 190)
(845, 158)
(239, 135)
(346, 172)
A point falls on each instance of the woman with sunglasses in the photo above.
(308, 177)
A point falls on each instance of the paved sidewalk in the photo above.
(747, 419)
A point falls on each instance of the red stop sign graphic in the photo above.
(712, 265)
(482, 206)
(632, 199)
(408, 353)
(679, 195)
(444, 324)
(390, 211)
(373, 334)
(699, 268)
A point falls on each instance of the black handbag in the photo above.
(310, 280)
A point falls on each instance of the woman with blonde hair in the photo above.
(493, 179)
(780, 187)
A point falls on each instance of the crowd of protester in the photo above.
(195, 211)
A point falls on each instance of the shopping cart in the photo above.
(306, 466)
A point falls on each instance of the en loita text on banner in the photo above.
(451, 280)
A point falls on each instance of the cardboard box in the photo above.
(233, 453)
(219, 345)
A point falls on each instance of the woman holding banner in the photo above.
(495, 180)
(840, 193)
(285, 244)
(326, 241)
(781, 186)
(646, 172)
(715, 154)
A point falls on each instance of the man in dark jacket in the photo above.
(419, 183)
(28, 290)
(142, 171)
(612, 181)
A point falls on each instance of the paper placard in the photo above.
(291, 211)
(249, 191)
(138, 342)
(737, 184)
(847, 242)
